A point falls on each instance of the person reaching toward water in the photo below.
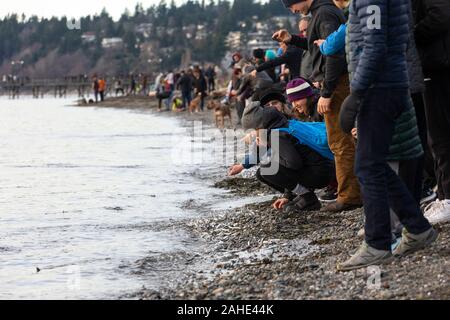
(302, 167)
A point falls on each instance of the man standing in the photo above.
(330, 75)
(432, 33)
(378, 35)
(184, 84)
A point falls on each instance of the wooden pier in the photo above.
(58, 88)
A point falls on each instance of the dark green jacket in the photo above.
(406, 143)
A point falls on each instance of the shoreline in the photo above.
(256, 252)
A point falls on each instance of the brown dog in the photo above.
(220, 113)
(195, 104)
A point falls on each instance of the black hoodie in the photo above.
(326, 18)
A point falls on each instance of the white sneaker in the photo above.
(438, 211)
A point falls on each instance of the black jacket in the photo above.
(326, 18)
(200, 85)
(292, 58)
(432, 33)
(185, 83)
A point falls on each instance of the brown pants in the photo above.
(343, 147)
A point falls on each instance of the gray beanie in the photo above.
(257, 117)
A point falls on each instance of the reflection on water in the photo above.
(76, 184)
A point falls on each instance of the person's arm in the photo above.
(374, 49)
(335, 42)
(435, 23)
(273, 63)
(335, 65)
(243, 85)
(298, 41)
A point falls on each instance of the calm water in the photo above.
(80, 189)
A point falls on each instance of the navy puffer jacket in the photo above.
(378, 35)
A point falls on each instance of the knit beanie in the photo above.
(258, 53)
(270, 55)
(269, 94)
(288, 3)
(257, 117)
(298, 89)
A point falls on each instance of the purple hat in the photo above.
(298, 89)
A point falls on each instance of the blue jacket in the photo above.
(377, 38)
(335, 43)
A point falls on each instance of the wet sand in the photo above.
(255, 252)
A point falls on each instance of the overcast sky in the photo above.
(72, 8)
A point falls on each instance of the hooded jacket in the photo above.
(326, 18)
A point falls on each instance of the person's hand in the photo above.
(324, 105)
(253, 73)
(236, 169)
(280, 203)
(349, 111)
(249, 137)
(319, 42)
(355, 133)
(316, 85)
(282, 36)
(233, 92)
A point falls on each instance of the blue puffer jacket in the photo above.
(377, 38)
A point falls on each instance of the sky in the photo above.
(72, 8)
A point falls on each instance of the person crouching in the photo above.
(301, 169)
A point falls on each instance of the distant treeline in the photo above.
(40, 42)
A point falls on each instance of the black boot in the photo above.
(304, 202)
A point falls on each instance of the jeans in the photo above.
(381, 187)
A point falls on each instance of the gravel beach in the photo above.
(256, 252)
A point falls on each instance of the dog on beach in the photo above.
(221, 112)
(194, 106)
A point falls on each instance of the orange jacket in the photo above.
(101, 85)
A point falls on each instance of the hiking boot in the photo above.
(340, 206)
(413, 242)
(329, 194)
(438, 211)
(364, 257)
(304, 202)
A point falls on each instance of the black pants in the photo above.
(381, 187)
(437, 107)
(310, 177)
(411, 173)
(211, 84)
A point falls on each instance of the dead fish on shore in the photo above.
(115, 208)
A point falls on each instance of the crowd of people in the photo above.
(359, 101)
(178, 90)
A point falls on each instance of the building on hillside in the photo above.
(112, 43)
(145, 29)
(259, 40)
(234, 40)
(88, 37)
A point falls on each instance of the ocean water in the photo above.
(80, 192)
